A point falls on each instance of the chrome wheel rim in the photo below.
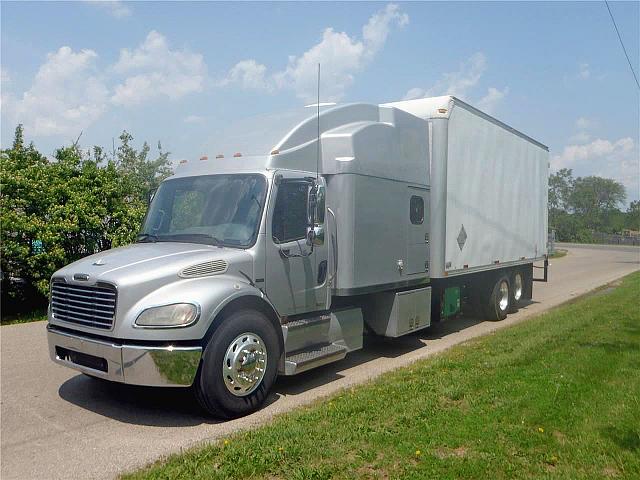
(244, 364)
(517, 287)
(504, 295)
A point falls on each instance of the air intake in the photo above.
(214, 267)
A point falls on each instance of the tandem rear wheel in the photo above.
(239, 365)
(498, 298)
(502, 294)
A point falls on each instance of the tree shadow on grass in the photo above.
(625, 438)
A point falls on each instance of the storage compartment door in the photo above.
(417, 231)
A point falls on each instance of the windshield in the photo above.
(212, 209)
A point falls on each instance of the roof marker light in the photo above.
(442, 110)
(204, 157)
(237, 154)
(182, 161)
(275, 152)
(220, 155)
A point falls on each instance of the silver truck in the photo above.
(365, 218)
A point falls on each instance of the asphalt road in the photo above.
(57, 423)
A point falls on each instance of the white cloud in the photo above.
(249, 74)
(461, 83)
(340, 55)
(584, 123)
(116, 9)
(5, 78)
(584, 71)
(66, 96)
(580, 137)
(490, 101)
(596, 149)
(156, 71)
(617, 159)
(193, 119)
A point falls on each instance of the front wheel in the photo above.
(239, 365)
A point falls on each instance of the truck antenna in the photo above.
(318, 116)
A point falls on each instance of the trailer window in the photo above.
(416, 210)
(290, 212)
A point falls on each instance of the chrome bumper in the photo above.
(165, 366)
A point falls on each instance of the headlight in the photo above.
(168, 316)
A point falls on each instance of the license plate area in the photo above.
(82, 359)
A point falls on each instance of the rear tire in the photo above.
(239, 365)
(516, 291)
(499, 299)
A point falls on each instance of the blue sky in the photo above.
(208, 78)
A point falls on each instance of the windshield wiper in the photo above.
(217, 242)
(146, 237)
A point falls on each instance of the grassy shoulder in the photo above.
(555, 396)
(34, 316)
(559, 253)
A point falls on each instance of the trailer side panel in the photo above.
(496, 194)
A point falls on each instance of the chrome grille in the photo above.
(90, 305)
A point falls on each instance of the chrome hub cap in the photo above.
(244, 364)
(517, 287)
(504, 295)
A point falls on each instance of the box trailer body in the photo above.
(365, 218)
(488, 189)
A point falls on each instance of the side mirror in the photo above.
(150, 194)
(312, 202)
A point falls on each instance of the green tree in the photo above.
(55, 212)
(143, 174)
(595, 199)
(560, 188)
(632, 220)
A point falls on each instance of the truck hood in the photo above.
(140, 263)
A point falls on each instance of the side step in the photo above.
(315, 356)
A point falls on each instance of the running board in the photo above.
(313, 357)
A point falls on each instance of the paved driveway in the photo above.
(59, 424)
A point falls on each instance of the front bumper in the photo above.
(161, 366)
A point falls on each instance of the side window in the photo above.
(416, 210)
(290, 212)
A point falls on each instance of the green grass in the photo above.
(34, 316)
(559, 253)
(555, 396)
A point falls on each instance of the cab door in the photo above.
(296, 274)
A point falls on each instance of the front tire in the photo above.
(239, 365)
(499, 301)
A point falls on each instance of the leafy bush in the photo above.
(56, 211)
